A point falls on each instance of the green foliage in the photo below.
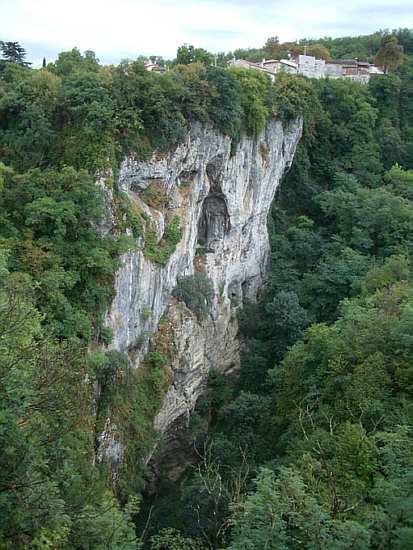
(390, 54)
(73, 61)
(5, 173)
(44, 434)
(162, 251)
(363, 47)
(131, 398)
(12, 52)
(371, 221)
(316, 50)
(225, 108)
(275, 50)
(198, 91)
(137, 226)
(253, 97)
(401, 180)
(279, 514)
(291, 96)
(254, 55)
(246, 420)
(187, 54)
(332, 280)
(170, 539)
(50, 235)
(197, 292)
(219, 395)
(221, 288)
(351, 365)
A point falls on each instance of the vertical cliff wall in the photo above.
(222, 203)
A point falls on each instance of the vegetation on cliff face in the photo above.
(308, 447)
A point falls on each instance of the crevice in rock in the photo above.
(235, 292)
(214, 172)
(245, 286)
(186, 177)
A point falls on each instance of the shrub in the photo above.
(197, 292)
(137, 226)
(162, 252)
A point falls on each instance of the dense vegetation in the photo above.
(307, 448)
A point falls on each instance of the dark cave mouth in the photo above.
(214, 222)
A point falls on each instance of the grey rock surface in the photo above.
(223, 203)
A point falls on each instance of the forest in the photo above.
(307, 446)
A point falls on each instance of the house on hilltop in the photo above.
(150, 66)
(154, 67)
(358, 71)
(250, 65)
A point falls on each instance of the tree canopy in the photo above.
(390, 54)
(307, 445)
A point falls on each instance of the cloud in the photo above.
(128, 28)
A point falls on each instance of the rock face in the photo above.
(222, 202)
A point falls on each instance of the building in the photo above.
(150, 66)
(307, 65)
(249, 65)
(358, 71)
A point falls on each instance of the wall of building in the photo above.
(334, 70)
(311, 67)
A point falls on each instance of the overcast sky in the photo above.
(120, 29)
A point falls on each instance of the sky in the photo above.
(125, 29)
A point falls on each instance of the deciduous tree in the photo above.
(390, 54)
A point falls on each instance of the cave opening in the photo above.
(214, 222)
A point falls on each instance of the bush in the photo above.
(163, 251)
(137, 226)
(197, 292)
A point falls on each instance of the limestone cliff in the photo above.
(222, 203)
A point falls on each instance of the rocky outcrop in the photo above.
(222, 203)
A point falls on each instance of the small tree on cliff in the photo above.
(197, 292)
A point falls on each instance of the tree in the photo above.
(253, 98)
(322, 288)
(70, 260)
(188, 54)
(254, 55)
(272, 46)
(390, 54)
(372, 221)
(199, 91)
(197, 292)
(68, 62)
(281, 514)
(285, 321)
(225, 109)
(14, 53)
(316, 50)
(171, 539)
(401, 180)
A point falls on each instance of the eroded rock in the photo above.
(223, 203)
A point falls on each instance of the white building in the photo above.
(307, 65)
